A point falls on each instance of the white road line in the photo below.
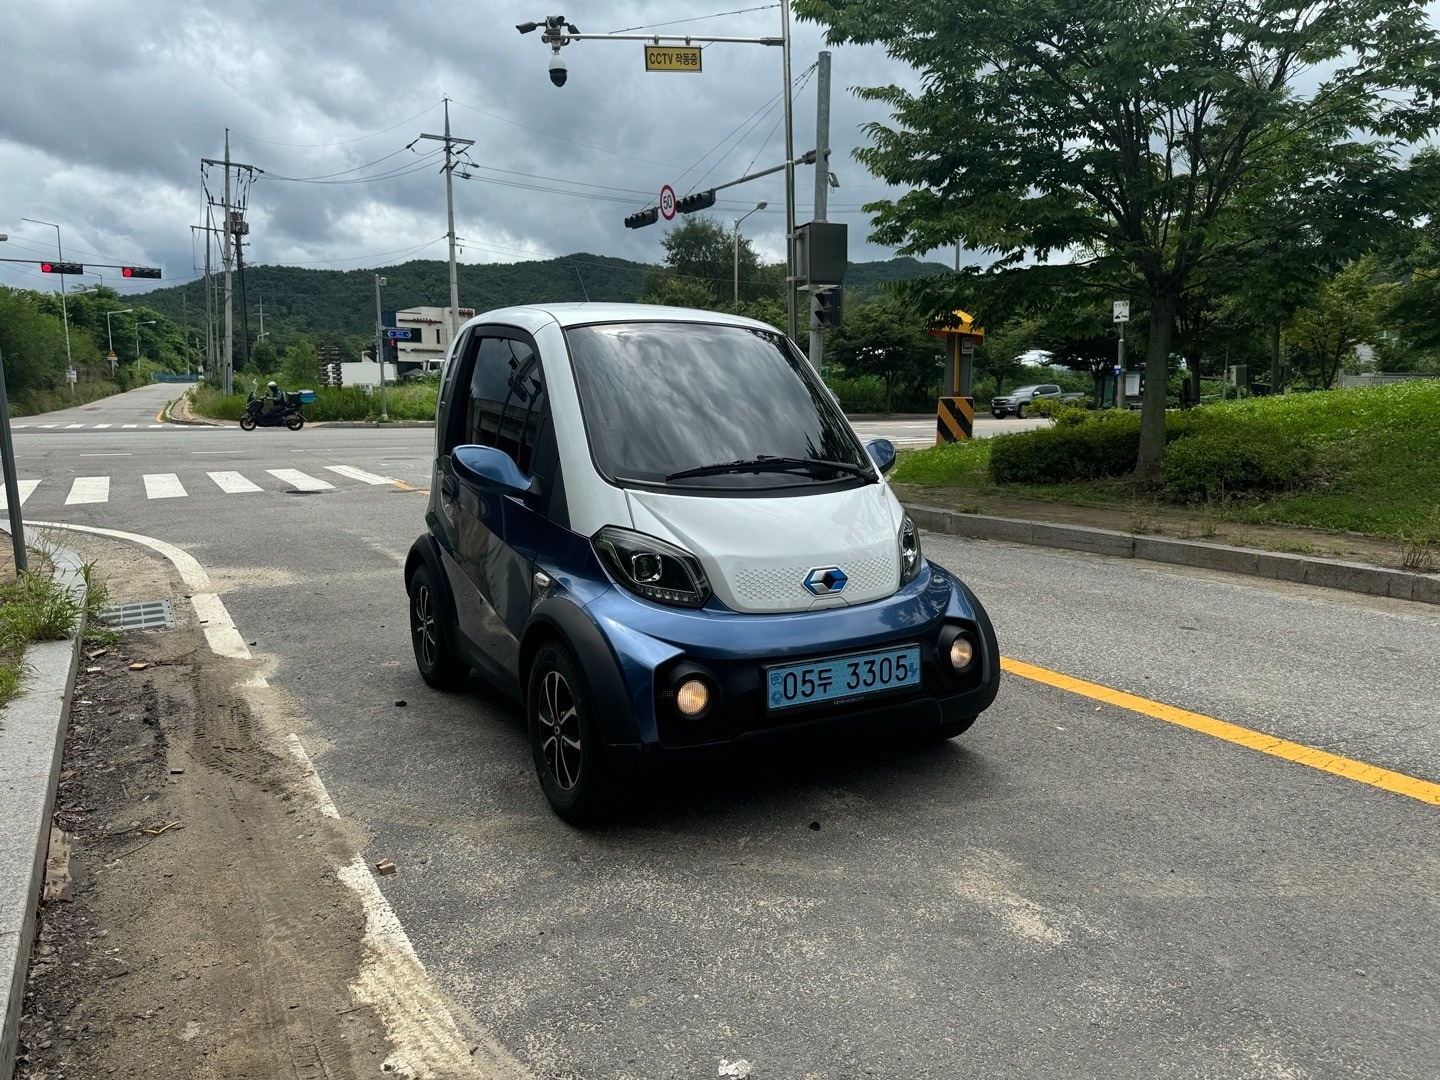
(26, 488)
(164, 486)
(89, 489)
(72, 427)
(155, 425)
(232, 483)
(129, 425)
(300, 481)
(360, 474)
(99, 426)
(120, 453)
(202, 453)
(49, 425)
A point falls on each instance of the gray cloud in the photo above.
(108, 108)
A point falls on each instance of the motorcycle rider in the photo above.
(274, 398)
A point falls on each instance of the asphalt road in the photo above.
(1071, 889)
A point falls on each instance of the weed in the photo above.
(34, 608)
(1418, 547)
(1142, 520)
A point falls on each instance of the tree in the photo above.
(886, 339)
(702, 250)
(1343, 315)
(1127, 141)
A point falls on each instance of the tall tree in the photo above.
(1115, 138)
(887, 339)
(1344, 315)
(703, 250)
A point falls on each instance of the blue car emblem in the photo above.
(823, 580)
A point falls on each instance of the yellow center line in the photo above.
(1398, 783)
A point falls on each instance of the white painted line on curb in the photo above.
(129, 425)
(101, 427)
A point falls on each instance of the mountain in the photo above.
(315, 302)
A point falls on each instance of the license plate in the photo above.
(842, 678)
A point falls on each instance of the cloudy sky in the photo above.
(107, 108)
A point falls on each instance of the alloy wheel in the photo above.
(559, 721)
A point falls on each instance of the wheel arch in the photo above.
(562, 621)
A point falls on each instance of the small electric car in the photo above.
(656, 529)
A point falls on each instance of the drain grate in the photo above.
(145, 615)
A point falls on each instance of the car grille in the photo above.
(759, 585)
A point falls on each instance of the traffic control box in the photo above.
(955, 411)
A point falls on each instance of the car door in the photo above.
(498, 399)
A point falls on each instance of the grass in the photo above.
(33, 607)
(331, 403)
(1377, 466)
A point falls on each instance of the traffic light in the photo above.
(643, 218)
(829, 307)
(140, 271)
(701, 200)
(62, 268)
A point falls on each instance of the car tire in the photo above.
(948, 730)
(295, 421)
(565, 741)
(247, 423)
(1020, 413)
(429, 636)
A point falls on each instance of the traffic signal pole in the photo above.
(12, 489)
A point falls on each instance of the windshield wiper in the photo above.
(771, 463)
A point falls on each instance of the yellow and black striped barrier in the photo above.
(954, 419)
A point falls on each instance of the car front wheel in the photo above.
(564, 736)
(438, 666)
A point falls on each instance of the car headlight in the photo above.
(652, 568)
(909, 551)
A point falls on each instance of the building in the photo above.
(423, 349)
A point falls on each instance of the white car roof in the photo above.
(533, 316)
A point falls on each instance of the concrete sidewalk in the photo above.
(32, 742)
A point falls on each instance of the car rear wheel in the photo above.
(438, 666)
(565, 739)
(1020, 413)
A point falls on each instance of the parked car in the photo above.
(656, 530)
(1019, 400)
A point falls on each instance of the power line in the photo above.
(342, 142)
(563, 138)
(697, 18)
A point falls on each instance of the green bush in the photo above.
(1233, 459)
(862, 395)
(1101, 444)
(404, 402)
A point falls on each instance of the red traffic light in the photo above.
(140, 271)
(62, 268)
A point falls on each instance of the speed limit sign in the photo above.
(667, 202)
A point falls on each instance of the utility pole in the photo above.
(450, 143)
(789, 174)
(822, 185)
(12, 489)
(230, 232)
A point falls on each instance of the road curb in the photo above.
(169, 417)
(1275, 566)
(32, 742)
(372, 424)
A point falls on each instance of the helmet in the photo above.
(271, 385)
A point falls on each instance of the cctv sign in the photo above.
(672, 58)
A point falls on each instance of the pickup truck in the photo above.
(1019, 400)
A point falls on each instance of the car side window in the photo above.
(507, 396)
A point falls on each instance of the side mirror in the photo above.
(489, 469)
(882, 453)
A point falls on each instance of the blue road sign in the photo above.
(398, 335)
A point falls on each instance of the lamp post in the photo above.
(110, 336)
(64, 313)
(138, 324)
(735, 241)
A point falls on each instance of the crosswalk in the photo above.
(87, 490)
(22, 426)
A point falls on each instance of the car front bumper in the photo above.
(655, 648)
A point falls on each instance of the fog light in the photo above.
(962, 653)
(693, 697)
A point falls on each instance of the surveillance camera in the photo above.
(558, 70)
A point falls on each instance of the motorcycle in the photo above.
(260, 413)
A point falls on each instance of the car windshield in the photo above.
(1025, 389)
(708, 405)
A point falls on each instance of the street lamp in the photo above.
(138, 324)
(735, 236)
(109, 335)
(64, 313)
